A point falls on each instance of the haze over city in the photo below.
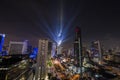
(31, 20)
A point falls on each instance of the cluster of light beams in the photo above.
(58, 31)
(60, 35)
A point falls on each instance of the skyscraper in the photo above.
(44, 55)
(78, 46)
(41, 59)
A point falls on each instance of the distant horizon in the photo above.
(106, 43)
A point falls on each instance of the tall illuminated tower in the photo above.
(76, 44)
(46, 50)
(78, 48)
(41, 59)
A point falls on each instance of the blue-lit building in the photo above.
(34, 53)
(2, 37)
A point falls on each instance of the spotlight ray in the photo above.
(57, 31)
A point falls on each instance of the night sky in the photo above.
(32, 20)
